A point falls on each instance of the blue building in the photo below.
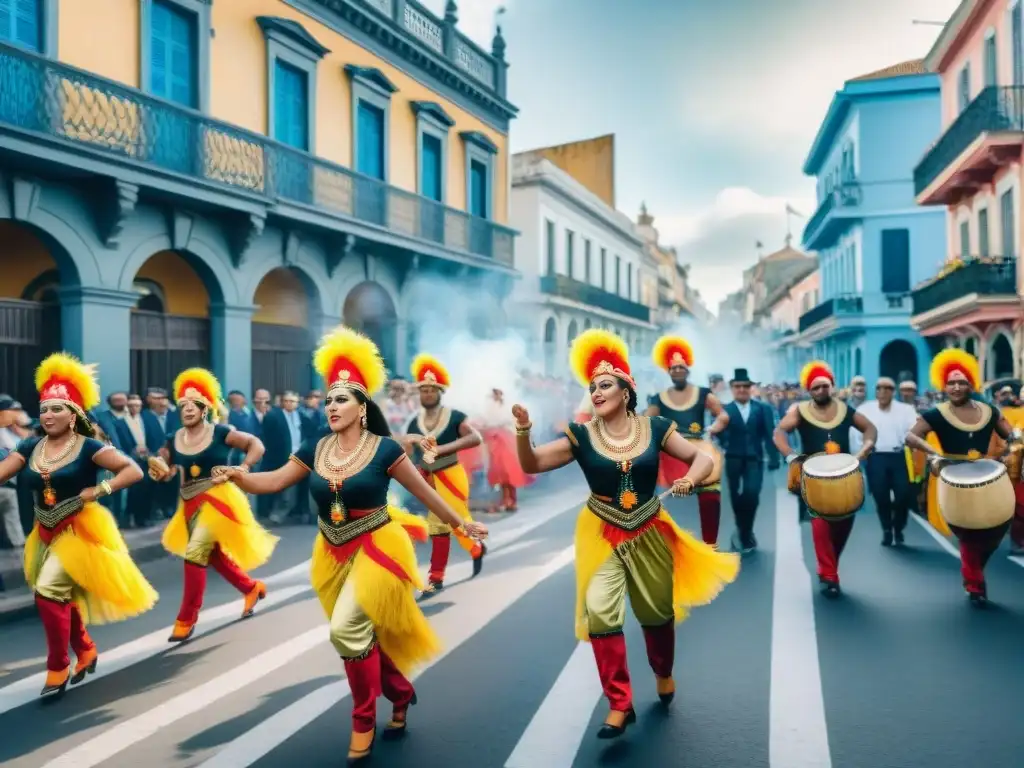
(873, 243)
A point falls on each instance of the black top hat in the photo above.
(740, 377)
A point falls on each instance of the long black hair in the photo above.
(375, 421)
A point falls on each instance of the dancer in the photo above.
(961, 429)
(824, 423)
(685, 404)
(434, 437)
(503, 468)
(76, 562)
(364, 564)
(214, 524)
(625, 540)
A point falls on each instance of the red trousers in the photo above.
(976, 547)
(613, 671)
(1017, 524)
(63, 626)
(195, 583)
(830, 537)
(368, 678)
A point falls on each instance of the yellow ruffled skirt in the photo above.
(699, 571)
(109, 586)
(224, 511)
(383, 564)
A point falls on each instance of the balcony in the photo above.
(832, 216)
(567, 288)
(968, 291)
(90, 123)
(984, 138)
(840, 305)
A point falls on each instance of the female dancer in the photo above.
(76, 562)
(503, 468)
(213, 525)
(625, 541)
(364, 564)
(961, 428)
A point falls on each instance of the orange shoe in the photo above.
(181, 632)
(257, 593)
(360, 747)
(56, 682)
(666, 689)
(86, 665)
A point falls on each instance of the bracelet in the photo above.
(103, 489)
(524, 429)
(243, 468)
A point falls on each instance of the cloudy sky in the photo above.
(714, 103)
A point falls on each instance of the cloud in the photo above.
(476, 18)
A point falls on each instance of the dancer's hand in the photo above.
(682, 487)
(429, 447)
(89, 494)
(475, 530)
(936, 463)
(226, 475)
(521, 415)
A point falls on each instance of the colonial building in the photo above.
(669, 302)
(791, 300)
(972, 173)
(873, 244)
(764, 279)
(187, 182)
(581, 260)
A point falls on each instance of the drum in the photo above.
(976, 495)
(793, 478)
(832, 485)
(1012, 460)
(707, 447)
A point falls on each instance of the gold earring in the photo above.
(362, 419)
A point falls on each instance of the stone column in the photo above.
(96, 327)
(231, 346)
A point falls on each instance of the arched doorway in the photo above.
(282, 339)
(999, 360)
(898, 360)
(550, 346)
(573, 332)
(370, 310)
(170, 324)
(587, 325)
(29, 306)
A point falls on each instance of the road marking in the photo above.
(120, 737)
(455, 627)
(798, 735)
(554, 734)
(945, 543)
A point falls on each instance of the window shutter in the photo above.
(371, 141)
(431, 154)
(291, 114)
(181, 60)
(478, 189)
(159, 34)
(26, 24)
(895, 261)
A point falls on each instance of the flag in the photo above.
(759, 244)
(791, 210)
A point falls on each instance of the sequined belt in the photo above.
(626, 521)
(443, 462)
(347, 530)
(55, 515)
(192, 488)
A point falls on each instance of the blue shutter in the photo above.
(172, 52)
(159, 32)
(895, 261)
(478, 189)
(26, 23)
(291, 108)
(370, 152)
(430, 157)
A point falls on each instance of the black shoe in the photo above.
(887, 539)
(478, 562)
(898, 537)
(830, 589)
(978, 599)
(610, 731)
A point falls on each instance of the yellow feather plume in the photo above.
(950, 358)
(358, 350)
(808, 370)
(206, 383)
(70, 369)
(423, 363)
(666, 346)
(592, 344)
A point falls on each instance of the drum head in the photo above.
(830, 465)
(969, 473)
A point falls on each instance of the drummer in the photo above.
(824, 423)
(961, 428)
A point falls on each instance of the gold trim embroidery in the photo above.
(572, 437)
(687, 405)
(357, 465)
(179, 442)
(672, 427)
(300, 462)
(397, 461)
(443, 420)
(946, 410)
(643, 443)
(807, 415)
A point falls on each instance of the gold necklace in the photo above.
(44, 466)
(624, 445)
(348, 456)
(337, 471)
(188, 443)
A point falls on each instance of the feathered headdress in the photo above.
(428, 371)
(64, 378)
(348, 359)
(595, 352)
(950, 360)
(816, 369)
(201, 386)
(670, 351)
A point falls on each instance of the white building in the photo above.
(582, 265)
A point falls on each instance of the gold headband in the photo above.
(677, 359)
(193, 394)
(344, 381)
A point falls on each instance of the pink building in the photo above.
(791, 302)
(974, 170)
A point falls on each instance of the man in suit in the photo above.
(283, 431)
(748, 442)
(106, 420)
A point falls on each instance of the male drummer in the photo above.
(687, 404)
(824, 423)
(961, 428)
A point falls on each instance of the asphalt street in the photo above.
(899, 673)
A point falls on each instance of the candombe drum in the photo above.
(793, 476)
(976, 495)
(832, 485)
(1012, 460)
(707, 447)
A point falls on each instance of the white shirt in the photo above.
(892, 424)
(744, 409)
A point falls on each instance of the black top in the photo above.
(68, 481)
(600, 468)
(366, 488)
(214, 455)
(447, 431)
(815, 434)
(689, 421)
(958, 438)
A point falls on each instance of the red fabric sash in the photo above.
(192, 506)
(342, 554)
(446, 481)
(46, 535)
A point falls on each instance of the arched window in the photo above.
(151, 296)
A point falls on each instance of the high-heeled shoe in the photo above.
(86, 666)
(56, 682)
(360, 746)
(616, 723)
(395, 729)
(666, 689)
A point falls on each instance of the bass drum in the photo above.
(976, 495)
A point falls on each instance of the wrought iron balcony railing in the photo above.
(989, 276)
(567, 288)
(996, 108)
(846, 195)
(840, 305)
(41, 96)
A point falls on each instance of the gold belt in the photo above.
(345, 531)
(55, 515)
(626, 521)
(443, 462)
(192, 488)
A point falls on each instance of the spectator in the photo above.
(10, 436)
